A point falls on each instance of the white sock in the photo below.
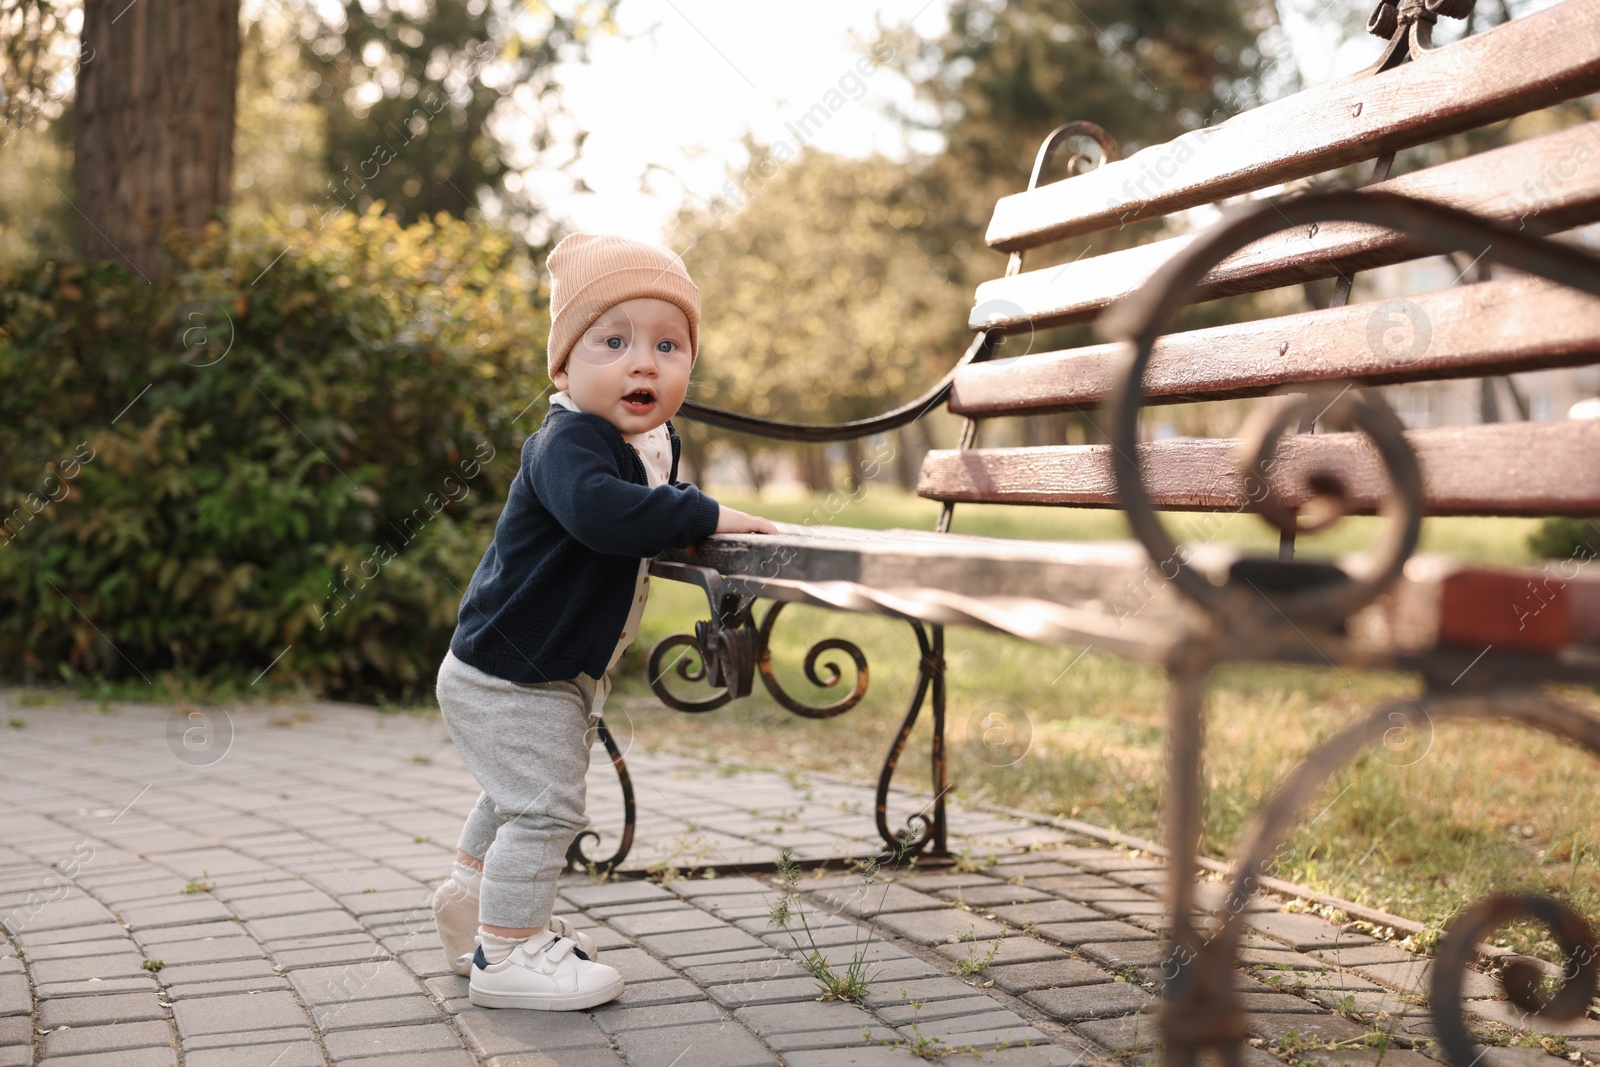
(468, 878)
(496, 948)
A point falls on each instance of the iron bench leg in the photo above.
(575, 857)
(924, 833)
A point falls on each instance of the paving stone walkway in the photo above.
(249, 888)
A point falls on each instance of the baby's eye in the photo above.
(666, 346)
(615, 342)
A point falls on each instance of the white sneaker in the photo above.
(462, 964)
(544, 973)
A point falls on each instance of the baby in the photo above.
(553, 604)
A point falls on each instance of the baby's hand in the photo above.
(731, 521)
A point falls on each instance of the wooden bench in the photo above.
(1329, 448)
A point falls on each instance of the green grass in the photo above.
(1482, 807)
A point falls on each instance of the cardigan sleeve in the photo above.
(574, 475)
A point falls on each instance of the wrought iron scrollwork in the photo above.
(1519, 978)
(1408, 26)
(925, 829)
(719, 650)
(725, 646)
(575, 857)
(831, 644)
(1144, 316)
(1202, 1007)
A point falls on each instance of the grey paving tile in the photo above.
(1077, 1003)
(295, 900)
(1006, 950)
(1043, 1054)
(726, 1046)
(860, 1037)
(1046, 911)
(499, 1032)
(306, 924)
(164, 935)
(1303, 931)
(935, 927)
(417, 1059)
(189, 990)
(1045, 974)
(278, 1054)
(1082, 933)
(1118, 954)
(131, 984)
(70, 949)
(79, 1040)
(665, 922)
(95, 1010)
(237, 1012)
(766, 991)
(812, 1015)
(576, 1057)
(197, 908)
(141, 1057)
(629, 892)
(981, 1030)
(619, 1015)
(992, 895)
(775, 966)
(122, 964)
(277, 1037)
(869, 1056)
(208, 950)
(367, 980)
(1324, 1028)
(699, 942)
(428, 1037)
(1129, 1033)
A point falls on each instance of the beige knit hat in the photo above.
(591, 272)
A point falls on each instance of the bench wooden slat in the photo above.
(1119, 600)
(1523, 65)
(1495, 327)
(1508, 183)
(1506, 469)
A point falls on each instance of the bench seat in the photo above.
(1107, 594)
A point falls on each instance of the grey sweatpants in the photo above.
(528, 747)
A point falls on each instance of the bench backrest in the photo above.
(1542, 184)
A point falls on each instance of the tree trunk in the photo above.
(814, 467)
(153, 125)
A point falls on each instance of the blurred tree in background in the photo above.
(828, 264)
(411, 100)
(818, 304)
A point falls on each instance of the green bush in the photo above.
(1562, 538)
(302, 441)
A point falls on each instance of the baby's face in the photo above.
(631, 367)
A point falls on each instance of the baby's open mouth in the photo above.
(639, 400)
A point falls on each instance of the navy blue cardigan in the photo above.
(551, 595)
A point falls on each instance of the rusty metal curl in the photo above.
(832, 644)
(576, 859)
(924, 833)
(1408, 27)
(1519, 977)
(690, 670)
(1202, 1008)
(1146, 314)
(1363, 410)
